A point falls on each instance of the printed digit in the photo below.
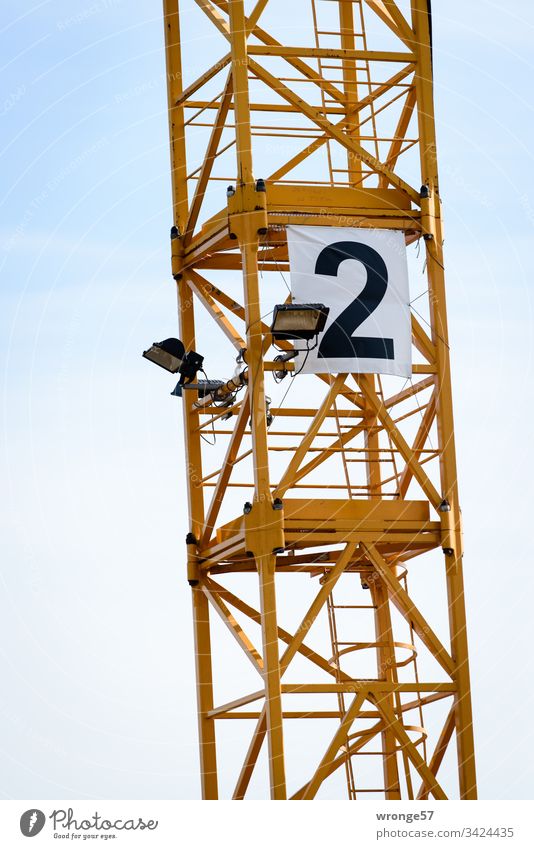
(338, 341)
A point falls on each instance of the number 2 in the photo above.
(338, 341)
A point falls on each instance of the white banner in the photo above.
(362, 276)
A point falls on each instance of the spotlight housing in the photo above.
(298, 321)
(167, 354)
(170, 355)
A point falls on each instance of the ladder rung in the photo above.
(372, 790)
(359, 754)
(354, 606)
(336, 32)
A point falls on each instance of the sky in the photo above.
(95, 633)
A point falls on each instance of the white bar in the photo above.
(224, 825)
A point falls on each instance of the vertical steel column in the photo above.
(383, 630)
(372, 442)
(206, 726)
(451, 519)
(173, 60)
(350, 86)
(386, 672)
(201, 623)
(245, 222)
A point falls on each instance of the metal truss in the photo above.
(340, 125)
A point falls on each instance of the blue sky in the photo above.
(95, 631)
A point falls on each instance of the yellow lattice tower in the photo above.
(348, 480)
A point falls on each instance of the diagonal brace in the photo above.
(408, 454)
(400, 733)
(235, 629)
(288, 477)
(337, 741)
(439, 751)
(334, 131)
(407, 608)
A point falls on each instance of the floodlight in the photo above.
(298, 321)
(168, 354)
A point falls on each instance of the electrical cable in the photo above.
(308, 351)
(206, 440)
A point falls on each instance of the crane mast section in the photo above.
(315, 495)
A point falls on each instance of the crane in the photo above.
(319, 441)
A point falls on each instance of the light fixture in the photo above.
(170, 355)
(298, 321)
(167, 354)
(203, 387)
(269, 418)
